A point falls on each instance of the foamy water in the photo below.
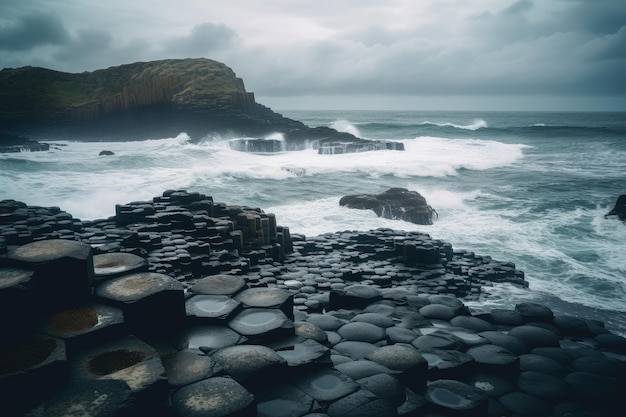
(517, 188)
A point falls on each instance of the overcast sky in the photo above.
(394, 54)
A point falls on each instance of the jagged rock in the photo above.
(395, 203)
(620, 208)
(13, 144)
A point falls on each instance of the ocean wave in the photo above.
(346, 126)
(474, 125)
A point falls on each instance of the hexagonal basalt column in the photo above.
(129, 360)
(457, 397)
(219, 285)
(251, 365)
(14, 295)
(211, 308)
(87, 399)
(30, 367)
(262, 324)
(63, 270)
(111, 265)
(86, 325)
(150, 301)
(214, 397)
(263, 297)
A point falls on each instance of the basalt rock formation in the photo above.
(182, 306)
(13, 144)
(620, 208)
(146, 100)
(395, 204)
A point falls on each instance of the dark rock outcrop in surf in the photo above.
(182, 306)
(620, 208)
(395, 204)
(13, 144)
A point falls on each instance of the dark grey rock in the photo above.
(395, 203)
(534, 312)
(541, 385)
(533, 336)
(457, 396)
(186, 367)
(214, 397)
(539, 363)
(326, 385)
(362, 404)
(361, 332)
(523, 404)
(250, 364)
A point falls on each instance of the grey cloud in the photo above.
(518, 7)
(86, 43)
(32, 30)
(597, 17)
(202, 40)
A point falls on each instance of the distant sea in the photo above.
(527, 187)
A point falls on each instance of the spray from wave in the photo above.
(345, 126)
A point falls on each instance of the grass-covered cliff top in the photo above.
(25, 89)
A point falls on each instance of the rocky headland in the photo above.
(183, 306)
(147, 100)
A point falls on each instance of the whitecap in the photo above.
(345, 126)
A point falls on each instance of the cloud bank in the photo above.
(394, 48)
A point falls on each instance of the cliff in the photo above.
(143, 100)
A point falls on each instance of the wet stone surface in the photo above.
(248, 319)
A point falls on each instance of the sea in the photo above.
(531, 188)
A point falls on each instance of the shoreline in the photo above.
(369, 305)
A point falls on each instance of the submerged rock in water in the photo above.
(395, 204)
(106, 153)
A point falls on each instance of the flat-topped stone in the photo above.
(50, 250)
(361, 332)
(11, 277)
(150, 301)
(208, 338)
(86, 325)
(98, 398)
(282, 401)
(326, 385)
(534, 336)
(219, 285)
(186, 367)
(457, 396)
(214, 397)
(534, 312)
(110, 265)
(262, 323)
(362, 403)
(543, 385)
(211, 308)
(251, 364)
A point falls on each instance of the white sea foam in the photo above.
(345, 126)
(474, 125)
